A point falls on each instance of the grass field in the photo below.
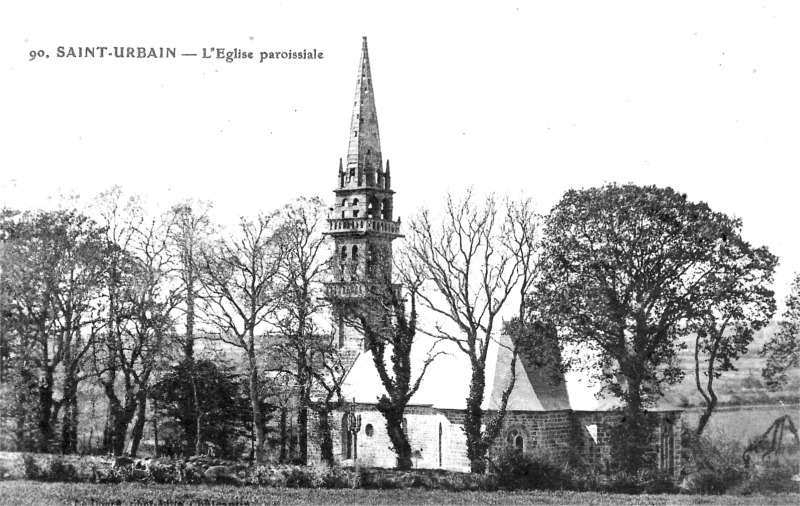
(741, 423)
(744, 386)
(24, 493)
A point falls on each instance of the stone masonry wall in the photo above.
(547, 435)
(592, 445)
(438, 441)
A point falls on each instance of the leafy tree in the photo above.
(622, 268)
(51, 280)
(741, 305)
(469, 264)
(222, 398)
(783, 350)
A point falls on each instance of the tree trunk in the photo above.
(188, 346)
(45, 411)
(326, 441)
(198, 414)
(258, 419)
(69, 421)
(138, 425)
(302, 427)
(473, 418)
(283, 434)
(398, 437)
(119, 419)
(155, 431)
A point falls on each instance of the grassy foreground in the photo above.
(24, 493)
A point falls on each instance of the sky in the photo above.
(520, 98)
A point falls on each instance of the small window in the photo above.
(516, 440)
(405, 426)
(355, 213)
(369, 430)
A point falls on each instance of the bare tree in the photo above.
(190, 233)
(473, 259)
(240, 279)
(139, 303)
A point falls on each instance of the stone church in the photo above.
(566, 422)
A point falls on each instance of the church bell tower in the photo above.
(361, 222)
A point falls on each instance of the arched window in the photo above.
(355, 253)
(344, 253)
(369, 430)
(515, 439)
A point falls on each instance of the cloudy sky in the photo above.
(514, 97)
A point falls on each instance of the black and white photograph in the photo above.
(399, 253)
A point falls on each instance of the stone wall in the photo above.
(547, 435)
(438, 441)
(592, 444)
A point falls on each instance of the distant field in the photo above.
(24, 493)
(741, 423)
(745, 386)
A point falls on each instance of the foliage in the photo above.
(50, 282)
(717, 466)
(632, 442)
(53, 469)
(623, 267)
(516, 470)
(220, 396)
(783, 350)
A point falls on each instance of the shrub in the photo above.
(6, 472)
(32, 469)
(772, 479)
(58, 470)
(516, 470)
(631, 441)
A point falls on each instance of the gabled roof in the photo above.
(446, 382)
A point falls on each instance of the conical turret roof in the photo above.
(364, 152)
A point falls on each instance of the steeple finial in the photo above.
(365, 144)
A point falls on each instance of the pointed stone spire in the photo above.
(364, 151)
